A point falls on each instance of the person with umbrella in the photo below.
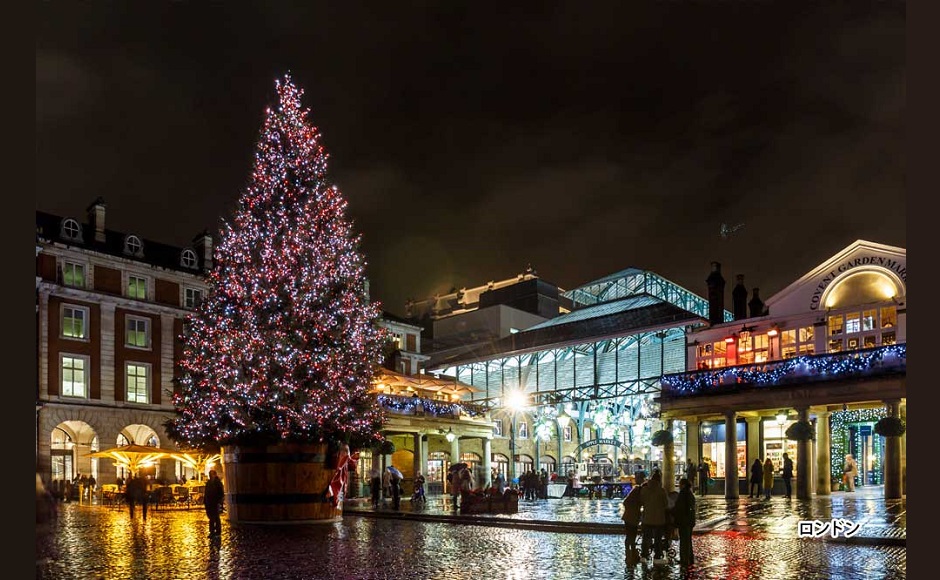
(453, 479)
(395, 484)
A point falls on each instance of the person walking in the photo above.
(704, 474)
(654, 503)
(395, 486)
(418, 495)
(386, 484)
(631, 521)
(849, 472)
(683, 514)
(787, 474)
(375, 486)
(757, 476)
(92, 484)
(690, 470)
(768, 477)
(136, 494)
(212, 499)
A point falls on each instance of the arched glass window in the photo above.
(133, 245)
(188, 259)
(71, 230)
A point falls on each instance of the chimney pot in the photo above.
(96, 215)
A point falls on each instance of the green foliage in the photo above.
(801, 431)
(890, 427)
(661, 438)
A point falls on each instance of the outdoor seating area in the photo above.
(175, 496)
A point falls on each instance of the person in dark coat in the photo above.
(683, 515)
(136, 493)
(375, 485)
(395, 486)
(757, 476)
(213, 498)
(631, 520)
(704, 474)
(654, 503)
(787, 474)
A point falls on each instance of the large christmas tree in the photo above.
(284, 347)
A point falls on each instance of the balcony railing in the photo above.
(870, 362)
(419, 406)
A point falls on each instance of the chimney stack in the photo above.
(96, 218)
(756, 304)
(739, 299)
(203, 244)
(716, 295)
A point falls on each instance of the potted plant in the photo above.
(661, 437)
(801, 431)
(890, 427)
(278, 359)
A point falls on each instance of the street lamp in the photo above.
(450, 435)
(781, 419)
(515, 401)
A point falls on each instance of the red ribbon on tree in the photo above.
(344, 462)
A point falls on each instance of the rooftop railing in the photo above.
(419, 406)
(870, 362)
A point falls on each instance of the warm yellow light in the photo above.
(515, 400)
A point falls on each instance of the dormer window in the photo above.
(188, 259)
(71, 230)
(133, 246)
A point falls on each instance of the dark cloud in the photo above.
(472, 143)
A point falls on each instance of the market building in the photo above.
(829, 349)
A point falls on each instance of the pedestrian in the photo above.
(631, 521)
(500, 482)
(92, 483)
(654, 503)
(757, 476)
(787, 474)
(82, 484)
(849, 472)
(684, 517)
(768, 477)
(136, 494)
(395, 487)
(418, 495)
(120, 483)
(375, 486)
(704, 474)
(690, 470)
(453, 480)
(212, 499)
(386, 484)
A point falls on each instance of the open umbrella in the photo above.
(457, 467)
(134, 456)
(394, 471)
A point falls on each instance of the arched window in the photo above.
(71, 230)
(188, 259)
(133, 245)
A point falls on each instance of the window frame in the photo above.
(74, 265)
(133, 245)
(148, 379)
(194, 303)
(127, 286)
(147, 331)
(67, 232)
(187, 256)
(86, 314)
(522, 430)
(86, 375)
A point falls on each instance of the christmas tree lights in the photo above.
(284, 347)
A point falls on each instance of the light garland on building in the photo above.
(840, 444)
(804, 368)
(434, 408)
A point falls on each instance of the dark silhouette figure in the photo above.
(787, 474)
(655, 504)
(757, 476)
(213, 498)
(396, 491)
(137, 494)
(704, 473)
(683, 515)
(375, 486)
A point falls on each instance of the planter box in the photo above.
(283, 483)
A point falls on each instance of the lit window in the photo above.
(138, 382)
(835, 345)
(74, 322)
(133, 246)
(192, 297)
(71, 230)
(868, 320)
(889, 317)
(137, 287)
(523, 430)
(712, 355)
(835, 324)
(853, 323)
(74, 376)
(138, 332)
(888, 338)
(498, 428)
(567, 433)
(73, 274)
(188, 259)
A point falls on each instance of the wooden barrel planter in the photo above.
(284, 483)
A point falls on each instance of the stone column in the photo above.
(669, 461)
(753, 440)
(692, 441)
(903, 414)
(731, 456)
(892, 469)
(823, 468)
(418, 466)
(487, 460)
(803, 452)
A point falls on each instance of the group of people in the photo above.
(534, 484)
(389, 484)
(649, 508)
(80, 488)
(762, 477)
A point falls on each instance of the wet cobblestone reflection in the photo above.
(97, 542)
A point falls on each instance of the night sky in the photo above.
(578, 138)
